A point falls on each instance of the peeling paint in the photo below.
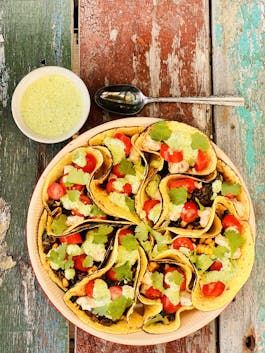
(113, 34)
(4, 72)
(6, 261)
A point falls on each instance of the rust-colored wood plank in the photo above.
(163, 48)
(160, 46)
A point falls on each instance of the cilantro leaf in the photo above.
(160, 238)
(95, 211)
(199, 142)
(69, 263)
(79, 158)
(59, 224)
(234, 189)
(155, 319)
(88, 261)
(147, 246)
(57, 257)
(77, 176)
(203, 262)
(157, 281)
(126, 167)
(73, 195)
(160, 131)
(101, 234)
(235, 240)
(100, 311)
(220, 251)
(123, 272)
(130, 204)
(178, 195)
(142, 231)
(129, 242)
(117, 307)
(175, 277)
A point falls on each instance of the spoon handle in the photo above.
(213, 100)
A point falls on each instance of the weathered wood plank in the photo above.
(238, 67)
(32, 33)
(160, 46)
(163, 48)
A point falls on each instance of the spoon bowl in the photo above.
(125, 99)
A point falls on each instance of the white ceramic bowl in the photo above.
(30, 79)
(191, 321)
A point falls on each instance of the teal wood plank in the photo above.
(32, 33)
(238, 67)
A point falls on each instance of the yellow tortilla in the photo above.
(132, 322)
(243, 269)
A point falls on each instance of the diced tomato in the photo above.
(168, 306)
(85, 199)
(127, 188)
(116, 171)
(76, 213)
(123, 233)
(202, 161)
(91, 163)
(72, 239)
(230, 196)
(110, 187)
(183, 283)
(115, 292)
(153, 293)
(77, 187)
(55, 191)
(213, 289)
(148, 205)
(111, 274)
(173, 157)
(216, 266)
(78, 262)
(187, 183)
(89, 288)
(189, 212)
(231, 221)
(184, 242)
(126, 141)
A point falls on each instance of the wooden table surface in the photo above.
(165, 47)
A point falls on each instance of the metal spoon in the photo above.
(126, 99)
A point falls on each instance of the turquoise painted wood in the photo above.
(238, 67)
(32, 34)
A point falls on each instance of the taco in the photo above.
(183, 148)
(116, 194)
(165, 292)
(65, 192)
(68, 259)
(223, 263)
(106, 300)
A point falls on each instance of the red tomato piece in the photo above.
(110, 187)
(115, 292)
(231, 221)
(187, 183)
(127, 189)
(78, 262)
(230, 196)
(168, 306)
(91, 163)
(116, 171)
(213, 289)
(183, 284)
(202, 161)
(76, 213)
(89, 288)
(148, 205)
(189, 212)
(173, 157)
(153, 293)
(77, 187)
(85, 199)
(55, 191)
(184, 242)
(72, 239)
(126, 141)
(111, 274)
(123, 233)
(216, 266)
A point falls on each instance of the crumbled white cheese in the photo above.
(185, 299)
(72, 220)
(204, 216)
(180, 167)
(150, 144)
